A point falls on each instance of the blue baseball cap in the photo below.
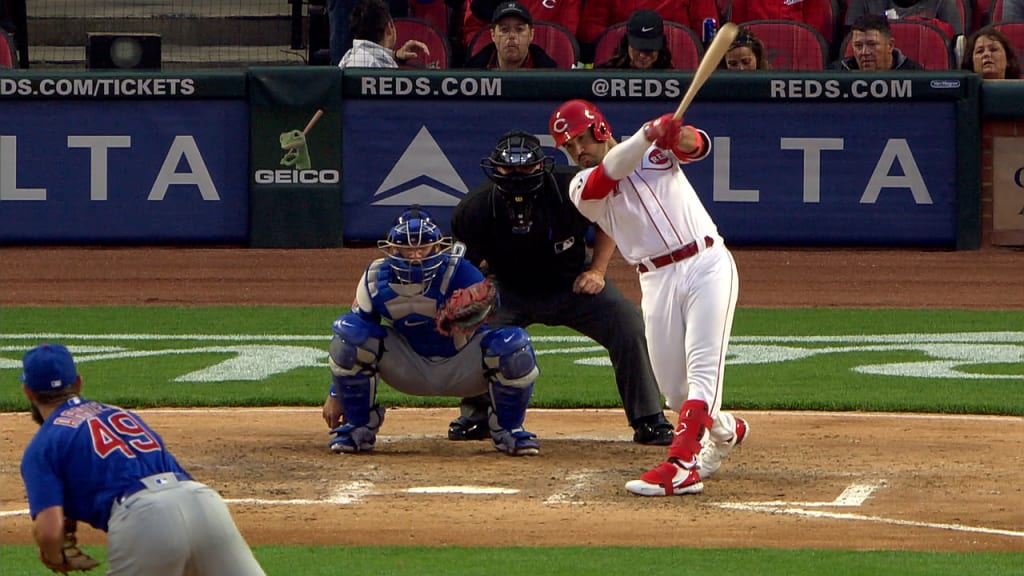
(48, 367)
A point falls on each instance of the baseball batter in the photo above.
(637, 193)
(103, 465)
(404, 328)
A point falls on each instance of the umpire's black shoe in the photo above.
(463, 428)
(653, 430)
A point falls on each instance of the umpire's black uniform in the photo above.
(535, 272)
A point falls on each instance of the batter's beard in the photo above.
(37, 416)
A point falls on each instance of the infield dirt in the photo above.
(941, 483)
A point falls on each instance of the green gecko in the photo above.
(297, 155)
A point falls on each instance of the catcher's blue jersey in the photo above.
(87, 454)
(412, 315)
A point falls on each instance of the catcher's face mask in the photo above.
(518, 168)
(414, 247)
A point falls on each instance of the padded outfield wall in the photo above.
(315, 157)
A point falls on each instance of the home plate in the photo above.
(460, 490)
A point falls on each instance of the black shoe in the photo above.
(653, 431)
(465, 429)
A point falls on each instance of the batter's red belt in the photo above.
(675, 255)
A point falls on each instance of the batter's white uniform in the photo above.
(687, 301)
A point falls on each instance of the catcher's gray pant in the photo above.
(176, 528)
(406, 371)
(609, 318)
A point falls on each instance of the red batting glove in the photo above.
(664, 132)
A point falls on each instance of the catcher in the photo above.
(104, 466)
(419, 322)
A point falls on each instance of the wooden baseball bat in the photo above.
(313, 120)
(712, 57)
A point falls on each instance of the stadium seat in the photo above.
(823, 15)
(997, 11)
(791, 45)
(435, 12)
(923, 42)
(8, 58)
(981, 11)
(966, 15)
(416, 29)
(555, 39)
(684, 44)
(1014, 32)
(724, 11)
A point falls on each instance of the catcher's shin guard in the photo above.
(508, 411)
(350, 439)
(511, 368)
(363, 417)
(694, 420)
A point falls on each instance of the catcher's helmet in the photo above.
(415, 247)
(518, 167)
(573, 118)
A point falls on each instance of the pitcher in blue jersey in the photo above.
(390, 334)
(103, 465)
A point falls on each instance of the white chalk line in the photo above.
(581, 482)
(865, 518)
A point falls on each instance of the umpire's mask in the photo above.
(518, 168)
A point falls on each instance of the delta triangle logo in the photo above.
(423, 175)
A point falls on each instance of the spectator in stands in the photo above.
(338, 13)
(511, 46)
(816, 13)
(643, 45)
(1013, 11)
(745, 53)
(374, 38)
(873, 48)
(944, 13)
(989, 53)
(478, 14)
(603, 14)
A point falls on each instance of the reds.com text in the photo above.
(447, 86)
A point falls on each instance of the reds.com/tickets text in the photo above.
(97, 87)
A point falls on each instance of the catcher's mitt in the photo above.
(467, 308)
(72, 557)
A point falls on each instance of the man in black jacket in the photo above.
(873, 48)
(522, 229)
(512, 46)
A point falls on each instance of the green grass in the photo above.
(575, 561)
(824, 381)
(989, 379)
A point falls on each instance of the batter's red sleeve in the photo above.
(598, 184)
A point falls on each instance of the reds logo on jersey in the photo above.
(656, 159)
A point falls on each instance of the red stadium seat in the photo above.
(997, 11)
(724, 11)
(923, 42)
(8, 59)
(980, 13)
(435, 12)
(555, 39)
(416, 29)
(1014, 32)
(823, 15)
(790, 45)
(684, 44)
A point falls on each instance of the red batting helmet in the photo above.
(572, 118)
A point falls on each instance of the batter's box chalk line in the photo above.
(854, 496)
